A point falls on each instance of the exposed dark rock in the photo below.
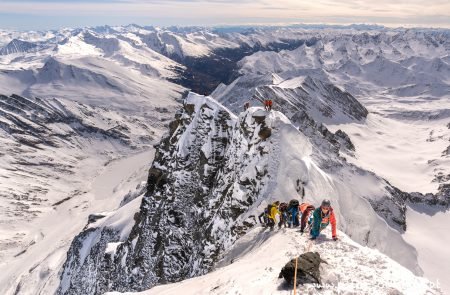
(259, 119)
(265, 132)
(18, 46)
(94, 217)
(441, 198)
(173, 125)
(344, 140)
(155, 177)
(308, 269)
(190, 108)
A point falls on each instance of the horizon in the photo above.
(306, 26)
(44, 15)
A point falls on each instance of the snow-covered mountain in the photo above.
(212, 175)
(17, 46)
(361, 117)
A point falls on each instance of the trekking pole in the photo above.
(295, 276)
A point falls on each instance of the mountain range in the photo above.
(134, 140)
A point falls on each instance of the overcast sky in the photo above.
(52, 14)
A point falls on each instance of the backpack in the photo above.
(283, 207)
(294, 203)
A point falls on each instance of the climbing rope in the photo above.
(295, 276)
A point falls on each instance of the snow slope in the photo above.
(350, 269)
(43, 257)
(427, 224)
(406, 152)
(61, 161)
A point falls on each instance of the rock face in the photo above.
(312, 94)
(17, 46)
(308, 269)
(30, 121)
(321, 100)
(207, 173)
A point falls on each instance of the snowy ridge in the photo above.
(17, 46)
(349, 268)
(323, 102)
(211, 177)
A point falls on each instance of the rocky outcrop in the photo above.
(308, 269)
(18, 46)
(209, 169)
(441, 198)
(321, 100)
(30, 121)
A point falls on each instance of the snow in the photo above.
(258, 257)
(427, 231)
(110, 182)
(38, 267)
(399, 150)
(75, 46)
(111, 248)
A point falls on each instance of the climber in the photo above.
(268, 104)
(264, 215)
(246, 105)
(322, 216)
(305, 210)
(273, 212)
(283, 214)
(293, 212)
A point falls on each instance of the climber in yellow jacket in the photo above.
(273, 212)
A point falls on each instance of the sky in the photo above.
(54, 14)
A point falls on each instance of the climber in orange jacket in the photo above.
(323, 216)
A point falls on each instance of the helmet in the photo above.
(326, 203)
